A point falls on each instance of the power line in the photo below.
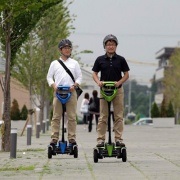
(141, 62)
(131, 35)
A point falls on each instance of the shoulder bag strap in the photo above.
(67, 70)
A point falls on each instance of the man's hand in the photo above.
(117, 84)
(100, 83)
(73, 87)
(54, 87)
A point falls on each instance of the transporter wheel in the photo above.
(49, 152)
(75, 152)
(124, 155)
(95, 155)
(119, 155)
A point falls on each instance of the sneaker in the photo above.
(119, 143)
(53, 143)
(100, 144)
(72, 141)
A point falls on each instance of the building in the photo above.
(163, 56)
(18, 92)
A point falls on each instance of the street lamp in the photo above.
(150, 96)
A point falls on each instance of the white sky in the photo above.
(142, 27)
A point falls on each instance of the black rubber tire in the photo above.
(49, 152)
(124, 155)
(119, 155)
(75, 152)
(95, 154)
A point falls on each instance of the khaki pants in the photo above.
(71, 107)
(118, 106)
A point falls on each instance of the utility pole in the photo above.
(150, 97)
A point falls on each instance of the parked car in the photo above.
(144, 121)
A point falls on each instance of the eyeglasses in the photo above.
(109, 45)
(67, 48)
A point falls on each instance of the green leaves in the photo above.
(155, 112)
(171, 80)
(40, 48)
(22, 17)
(18, 18)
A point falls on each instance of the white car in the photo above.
(144, 121)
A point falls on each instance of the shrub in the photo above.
(15, 112)
(163, 111)
(24, 113)
(155, 110)
(170, 110)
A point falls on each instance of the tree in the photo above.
(31, 66)
(15, 111)
(24, 112)
(153, 88)
(155, 110)
(139, 99)
(17, 19)
(163, 111)
(170, 110)
(50, 33)
(171, 79)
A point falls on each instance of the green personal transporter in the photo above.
(109, 91)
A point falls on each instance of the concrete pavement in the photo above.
(152, 153)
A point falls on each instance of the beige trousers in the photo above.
(71, 107)
(118, 106)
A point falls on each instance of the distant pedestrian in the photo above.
(84, 109)
(93, 109)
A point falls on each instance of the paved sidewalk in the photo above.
(152, 153)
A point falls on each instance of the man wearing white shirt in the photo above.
(56, 76)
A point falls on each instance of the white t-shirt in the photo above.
(58, 75)
(84, 106)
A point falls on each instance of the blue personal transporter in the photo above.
(63, 147)
(109, 91)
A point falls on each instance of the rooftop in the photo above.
(165, 52)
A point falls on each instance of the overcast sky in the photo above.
(142, 27)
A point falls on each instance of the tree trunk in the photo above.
(42, 95)
(7, 100)
(31, 80)
(41, 115)
(43, 82)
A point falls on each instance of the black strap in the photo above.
(67, 70)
